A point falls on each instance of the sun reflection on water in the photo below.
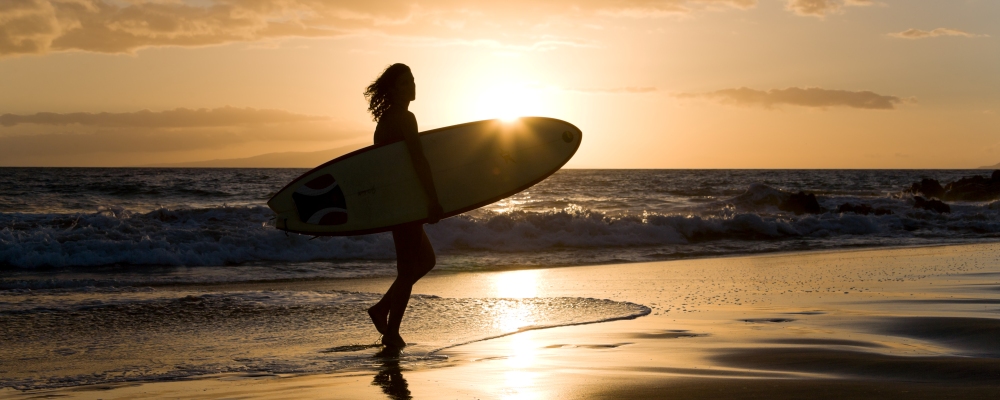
(519, 381)
(516, 284)
(510, 204)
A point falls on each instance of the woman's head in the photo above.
(394, 86)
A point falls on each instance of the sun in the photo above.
(508, 102)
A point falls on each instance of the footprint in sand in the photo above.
(667, 334)
(587, 346)
(767, 320)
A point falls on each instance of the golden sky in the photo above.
(652, 83)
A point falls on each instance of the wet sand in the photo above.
(898, 323)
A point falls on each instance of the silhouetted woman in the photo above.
(388, 99)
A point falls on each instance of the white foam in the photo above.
(222, 236)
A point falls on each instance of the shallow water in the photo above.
(56, 338)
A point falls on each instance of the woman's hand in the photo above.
(434, 213)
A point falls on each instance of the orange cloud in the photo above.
(921, 34)
(109, 138)
(177, 118)
(108, 26)
(618, 90)
(808, 97)
(820, 8)
(32, 144)
(653, 8)
(39, 26)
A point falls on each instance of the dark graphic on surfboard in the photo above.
(321, 202)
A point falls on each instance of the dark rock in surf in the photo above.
(863, 209)
(801, 203)
(759, 196)
(164, 215)
(931, 205)
(927, 187)
(976, 188)
(882, 211)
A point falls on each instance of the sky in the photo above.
(651, 83)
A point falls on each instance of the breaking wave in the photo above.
(220, 236)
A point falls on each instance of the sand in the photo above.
(887, 323)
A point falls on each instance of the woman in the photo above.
(389, 98)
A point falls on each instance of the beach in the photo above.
(666, 199)
(917, 322)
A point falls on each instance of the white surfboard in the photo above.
(376, 188)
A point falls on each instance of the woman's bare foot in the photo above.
(379, 319)
(393, 340)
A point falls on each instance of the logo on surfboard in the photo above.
(321, 201)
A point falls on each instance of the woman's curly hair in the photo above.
(380, 93)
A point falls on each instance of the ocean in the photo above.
(94, 257)
(68, 227)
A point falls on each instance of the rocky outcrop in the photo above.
(801, 203)
(863, 209)
(928, 188)
(931, 205)
(760, 196)
(976, 188)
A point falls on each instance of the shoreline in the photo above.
(326, 282)
(775, 325)
(322, 281)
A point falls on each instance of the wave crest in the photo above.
(221, 236)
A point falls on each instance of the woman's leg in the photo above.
(414, 258)
(419, 260)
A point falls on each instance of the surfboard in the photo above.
(376, 188)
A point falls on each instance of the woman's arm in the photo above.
(423, 169)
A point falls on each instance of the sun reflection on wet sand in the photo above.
(520, 379)
(516, 284)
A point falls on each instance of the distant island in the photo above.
(994, 166)
(291, 159)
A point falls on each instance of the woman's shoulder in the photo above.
(393, 123)
(395, 115)
(399, 118)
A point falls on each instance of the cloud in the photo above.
(661, 8)
(807, 97)
(544, 43)
(821, 8)
(177, 118)
(109, 139)
(82, 145)
(618, 90)
(921, 34)
(124, 26)
(39, 26)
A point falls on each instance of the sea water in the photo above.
(63, 226)
(97, 264)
